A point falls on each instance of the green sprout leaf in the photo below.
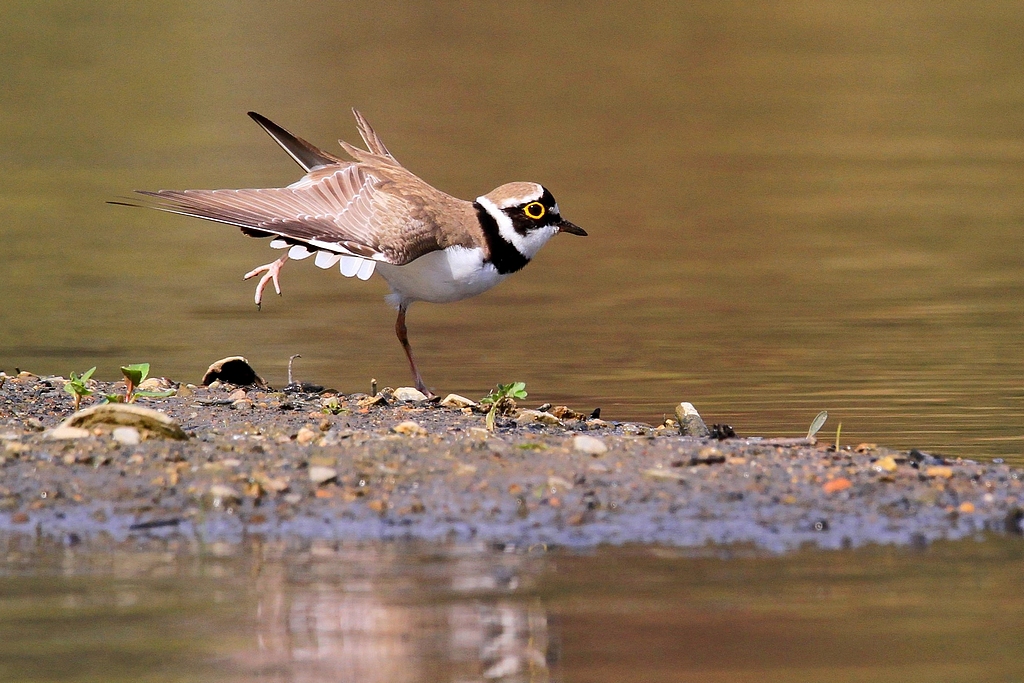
(77, 388)
(515, 390)
(134, 375)
(817, 423)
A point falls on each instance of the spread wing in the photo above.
(371, 208)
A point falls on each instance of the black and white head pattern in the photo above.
(517, 220)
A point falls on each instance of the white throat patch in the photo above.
(527, 245)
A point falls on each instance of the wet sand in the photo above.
(276, 465)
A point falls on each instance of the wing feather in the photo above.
(372, 208)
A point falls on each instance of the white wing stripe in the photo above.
(350, 265)
(366, 269)
(325, 259)
(299, 252)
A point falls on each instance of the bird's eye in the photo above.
(534, 210)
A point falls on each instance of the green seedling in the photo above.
(500, 398)
(134, 375)
(332, 406)
(817, 423)
(77, 388)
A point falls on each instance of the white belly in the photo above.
(441, 276)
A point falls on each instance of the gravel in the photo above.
(277, 465)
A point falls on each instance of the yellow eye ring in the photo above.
(534, 210)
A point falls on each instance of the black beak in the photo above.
(571, 228)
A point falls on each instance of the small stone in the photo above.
(690, 422)
(409, 394)
(127, 436)
(236, 395)
(186, 391)
(16, 447)
(886, 464)
(409, 428)
(663, 475)
(555, 482)
(375, 400)
(966, 507)
(34, 423)
(156, 384)
(271, 484)
(589, 444)
(939, 471)
(222, 495)
(565, 413)
(528, 416)
(19, 518)
(456, 401)
(320, 475)
(305, 436)
(598, 423)
(836, 485)
(242, 404)
(68, 433)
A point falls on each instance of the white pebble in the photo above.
(127, 436)
(589, 444)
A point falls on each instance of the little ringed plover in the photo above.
(373, 215)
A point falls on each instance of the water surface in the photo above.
(791, 207)
(388, 613)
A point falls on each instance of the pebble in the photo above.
(836, 485)
(319, 474)
(939, 471)
(409, 428)
(305, 435)
(127, 436)
(68, 433)
(886, 464)
(242, 404)
(409, 394)
(664, 475)
(34, 423)
(237, 394)
(223, 495)
(543, 417)
(456, 401)
(590, 445)
(690, 422)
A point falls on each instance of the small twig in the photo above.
(373, 386)
(290, 361)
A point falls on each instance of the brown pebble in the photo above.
(19, 518)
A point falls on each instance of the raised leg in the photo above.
(403, 336)
(271, 274)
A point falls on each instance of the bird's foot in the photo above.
(422, 388)
(270, 271)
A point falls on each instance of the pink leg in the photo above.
(403, 337)
(271, 274)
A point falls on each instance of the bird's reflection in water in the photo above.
(369, 615)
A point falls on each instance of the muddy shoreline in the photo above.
(320, 465)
